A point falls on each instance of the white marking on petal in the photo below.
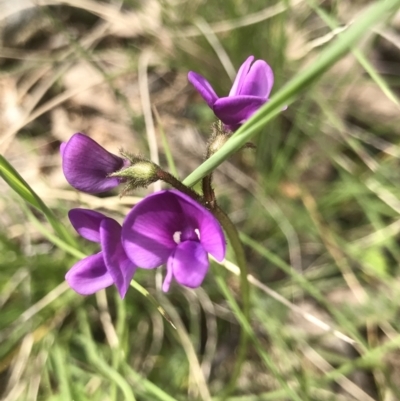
(196, 230)
(177, 237)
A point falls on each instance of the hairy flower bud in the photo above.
(217, 140)
(141, 173)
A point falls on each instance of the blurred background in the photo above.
(317, 202)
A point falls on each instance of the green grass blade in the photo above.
(148, 386)
(152, 300)
(167, 149)
(61, 370)
(22, 188)
(269, 363)
(299, 83)
(98, 363)
(58, 242)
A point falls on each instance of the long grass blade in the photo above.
(23, 189)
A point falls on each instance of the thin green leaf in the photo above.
(100, 364)
(148, 386)
(167, 149)
(145, 293)
(22, 188)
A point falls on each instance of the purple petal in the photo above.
(86, 165)
(149, 229)
(237, 109)
(259, 80)
(87, 223)
(197, 217)
(212, 237)
(188, 264)
(203, 87)
(118, 265)
(240, 77)
(89, 275)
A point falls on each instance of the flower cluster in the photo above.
(167, 227)
(170, 227)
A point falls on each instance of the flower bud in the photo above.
(141, 173)
(218, 139)
(87, 165)
(216, 144)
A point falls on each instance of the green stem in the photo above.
(236, 243)
(171, 180)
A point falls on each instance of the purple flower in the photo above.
(110, 266)
(86, 164)
(170, 227)
(249, 92)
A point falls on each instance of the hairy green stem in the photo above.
(171, 180)
(208, 192)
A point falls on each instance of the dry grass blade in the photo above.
(309, 317)
(144, 60)
(187, 345)
(213, 40)
(349, 386)
(36, 308)
(105, 319)
(18, 366)
(333, 248)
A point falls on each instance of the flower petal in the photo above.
(118, 265)
(87, 223)
(148, 229)
(259, 80)
(237, 109)
(86, 165)
(189, 265)
(241, 76)
(89, 275)
(203, 87)
(211, 234)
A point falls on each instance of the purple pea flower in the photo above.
(170, 227)
(251, 89)
(110, 266)
(86, 164)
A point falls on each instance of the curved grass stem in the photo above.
(235, 241)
